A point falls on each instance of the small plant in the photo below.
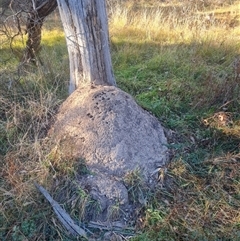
(114, 211)
(136, 189)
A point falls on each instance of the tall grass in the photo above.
(178, 62)
(177, 59)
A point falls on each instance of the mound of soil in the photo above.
(104, 126)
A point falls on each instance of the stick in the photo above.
(62, 215)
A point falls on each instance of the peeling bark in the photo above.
(86, 30)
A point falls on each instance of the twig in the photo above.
(62, 215)
(228, 102)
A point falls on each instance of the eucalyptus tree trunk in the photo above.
(86, 29)
(38, 11)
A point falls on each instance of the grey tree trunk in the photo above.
(86, 30)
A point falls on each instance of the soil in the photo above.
(117, 138)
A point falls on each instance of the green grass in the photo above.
(177, 65)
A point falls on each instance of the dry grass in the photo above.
(198, 206)
(177, 59)
(173, 24)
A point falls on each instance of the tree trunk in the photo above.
(34, 30)
(35, 20)
(86, 30)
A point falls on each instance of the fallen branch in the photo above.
(62, 215)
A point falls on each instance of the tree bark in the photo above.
(36, 16)
(86, 30)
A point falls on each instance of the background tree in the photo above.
(37, 12)
(31, 14)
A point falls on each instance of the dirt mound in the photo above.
(104, 126)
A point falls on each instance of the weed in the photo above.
(134, 182)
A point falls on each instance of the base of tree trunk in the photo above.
(117, 139)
